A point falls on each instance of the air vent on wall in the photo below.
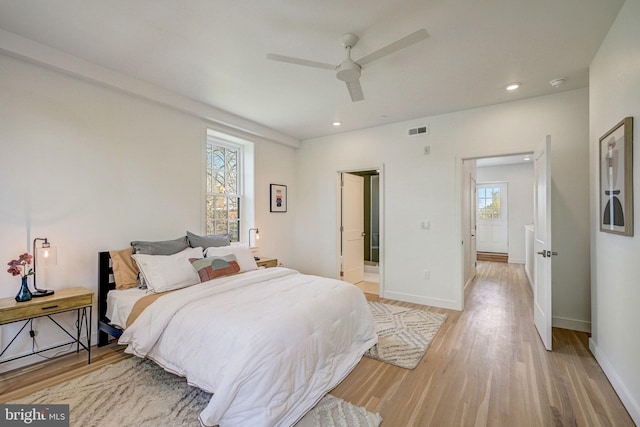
(419, 130)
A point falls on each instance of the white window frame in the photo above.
(239, 148)
(496, 211)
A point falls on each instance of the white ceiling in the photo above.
(505, 160)
(215, 52)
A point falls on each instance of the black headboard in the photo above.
(106, 282)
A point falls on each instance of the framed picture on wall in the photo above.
(278, 198)
(616, 179)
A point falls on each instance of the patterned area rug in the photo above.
(138, 393)
(404, 334)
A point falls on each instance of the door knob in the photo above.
(547, 254)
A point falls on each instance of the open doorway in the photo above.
(536, 208)
(492, 220)
(500, 205)
(366, 213)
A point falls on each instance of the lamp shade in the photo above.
(44, 256)
(47, 256)
(257, 235)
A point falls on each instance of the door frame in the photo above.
(459, 194)
(473, 226)
(381, 203)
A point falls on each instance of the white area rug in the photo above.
(404, 334)
(138, 393)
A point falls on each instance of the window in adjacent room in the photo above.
(224, 187)
(489, 202)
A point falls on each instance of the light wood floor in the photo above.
(486, 367)
(369, 287)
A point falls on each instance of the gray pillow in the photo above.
(210, 241)
(166, 247)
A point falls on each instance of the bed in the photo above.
(268, 343)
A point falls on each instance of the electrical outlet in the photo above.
(427, 274)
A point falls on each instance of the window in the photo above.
(489, 202)
(224, 189)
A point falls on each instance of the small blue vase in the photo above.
(25, 293)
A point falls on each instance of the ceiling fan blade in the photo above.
(298, 61)
(406, 41)
(355, 90)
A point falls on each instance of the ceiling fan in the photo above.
(349, 70)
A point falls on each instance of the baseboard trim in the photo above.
(469, 281)
(416, 299)
(572, 324)
(632, 406)
(516, 261)
(371, 269)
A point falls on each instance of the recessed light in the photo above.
(513, 86)
(558, 82)
(337, 123)
(526, 159)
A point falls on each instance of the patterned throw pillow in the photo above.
(218, 266)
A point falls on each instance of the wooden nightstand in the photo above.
(70, 299)
(267, 262)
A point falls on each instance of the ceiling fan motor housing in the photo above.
(348, 71)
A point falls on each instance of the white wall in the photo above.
(420, 187)
(92, 168)
(615, 94)
(520, 201)
(275, 164)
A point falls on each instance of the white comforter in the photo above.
(268, 343)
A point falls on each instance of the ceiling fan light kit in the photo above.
(349, 71)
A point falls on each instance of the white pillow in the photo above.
(243, 255)
(167, 272)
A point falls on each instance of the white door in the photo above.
(472, 240)
(542, 314)
(492, 217)
(352, 228)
